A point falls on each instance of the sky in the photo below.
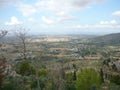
(61, 16)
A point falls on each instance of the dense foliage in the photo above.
(88, 79)
(25, 69)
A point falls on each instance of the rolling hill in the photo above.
(110, 39)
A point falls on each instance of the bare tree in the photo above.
(57, 74)
(21, 33)
(3, 33)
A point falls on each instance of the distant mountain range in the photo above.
(111, 39)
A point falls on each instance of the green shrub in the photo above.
(115, 79)
(88, 79)
(25, 69)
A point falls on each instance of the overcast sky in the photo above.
(61, 16)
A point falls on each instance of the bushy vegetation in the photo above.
(88, 79)
(115, 79)
(25, 68)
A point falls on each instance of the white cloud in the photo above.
(116, 13)
(4, 3)
(98, 26)
(32, 20)
(58, 8)
(14, 21)
(66, 19)
(27, 9)
(101, 25)
(62, 7)
(62, 13)
(112, 22)
(47, 20)
(104, 22)
(55, 20)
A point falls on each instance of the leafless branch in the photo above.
(3, 33)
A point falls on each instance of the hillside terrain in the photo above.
(110, 39)
(41, 60)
